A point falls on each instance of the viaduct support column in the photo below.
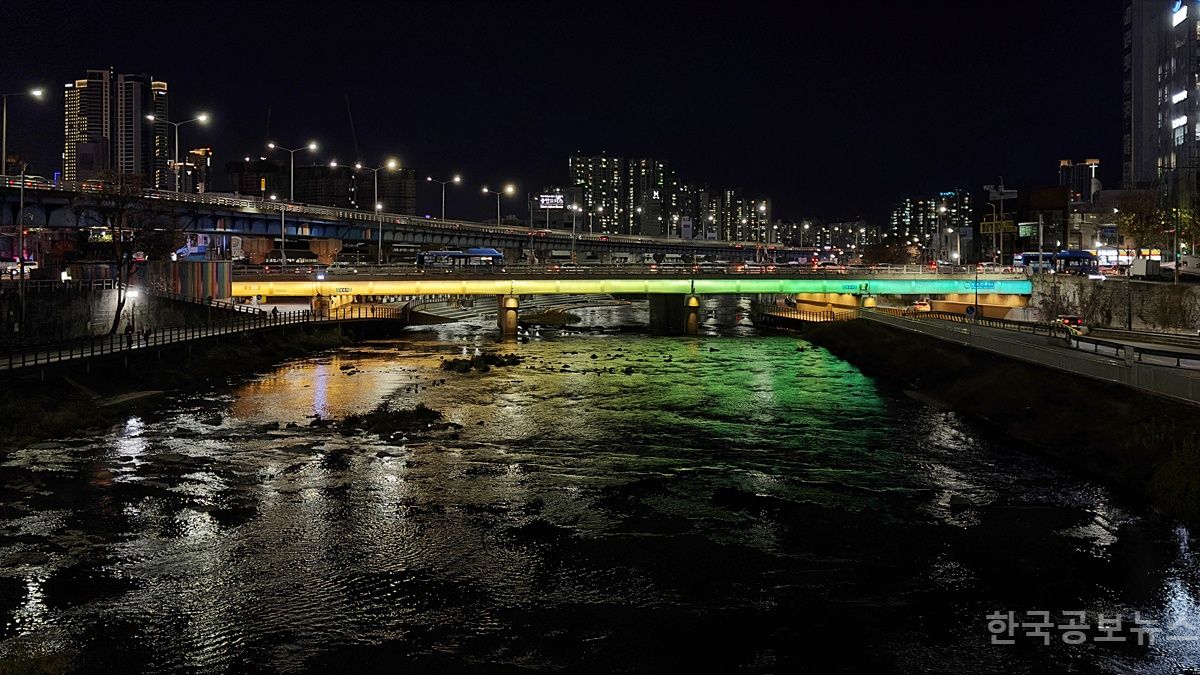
(506, 314)
(326, 249)
(675, 314)
(256, 249)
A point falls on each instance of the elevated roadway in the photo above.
(67, 206)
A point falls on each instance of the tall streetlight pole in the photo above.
(574, 211)
(456, 180)
(282, 234)
(36, 93)
(359, 166)
(201, 118)
(599, 209)
(292, 170)
(508, 190)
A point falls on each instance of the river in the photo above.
(616, 502)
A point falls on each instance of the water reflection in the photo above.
(733, 502)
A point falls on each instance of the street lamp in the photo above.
(282, 235)
(201, 118)
(599, 210)
(456, 180)
(292, 167)
(508, 190)
(359, 166)
(36, 93)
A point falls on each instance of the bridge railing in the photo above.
(764, 309)
(51, 285)
(332, 273)
(135, 340)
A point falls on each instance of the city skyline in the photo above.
(914, 129)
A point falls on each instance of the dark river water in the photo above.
(739, 502)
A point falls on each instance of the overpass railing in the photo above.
(590, 271)
(139, 340)
(51, 285)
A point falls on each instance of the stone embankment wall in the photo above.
(1143, 445)
(1117, 302)
(60, 315)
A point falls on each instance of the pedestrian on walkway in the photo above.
(129, 336)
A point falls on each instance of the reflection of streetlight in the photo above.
(456, 180)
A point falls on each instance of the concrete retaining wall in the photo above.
(63, 315)
(1118, 302)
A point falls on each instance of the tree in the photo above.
(1140, 219)
(898, 253)
(135, 224)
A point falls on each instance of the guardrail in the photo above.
(1149, 370)
(1035, 328)
(132, 341)
(48, 284)
(761, 310)
(206, 302)
(312, 272)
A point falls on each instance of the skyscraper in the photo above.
(105, 127)
(1160, 111)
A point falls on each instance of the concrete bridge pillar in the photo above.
(691, 315)
(506, 314)
(675, 314)
(326, 249)
(257, 248)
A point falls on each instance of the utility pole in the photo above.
(1041, 255)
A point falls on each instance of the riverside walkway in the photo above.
(126, 343)
(1170, 372)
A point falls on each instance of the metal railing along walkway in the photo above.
(1162, 372)
(140, 340)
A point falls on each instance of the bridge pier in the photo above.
(675, 314)
(326, 249)
(506, 314)
(256, 249)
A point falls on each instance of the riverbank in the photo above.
(70, 399)
(1141, 444)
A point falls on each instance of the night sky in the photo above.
(833, 110)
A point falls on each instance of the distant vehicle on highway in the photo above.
(1069, 320)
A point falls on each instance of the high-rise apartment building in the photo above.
(938, 223)
(1162, 97)
(646, 196)
(602, 179)
(105, 127)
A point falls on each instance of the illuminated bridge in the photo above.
(674, 298)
